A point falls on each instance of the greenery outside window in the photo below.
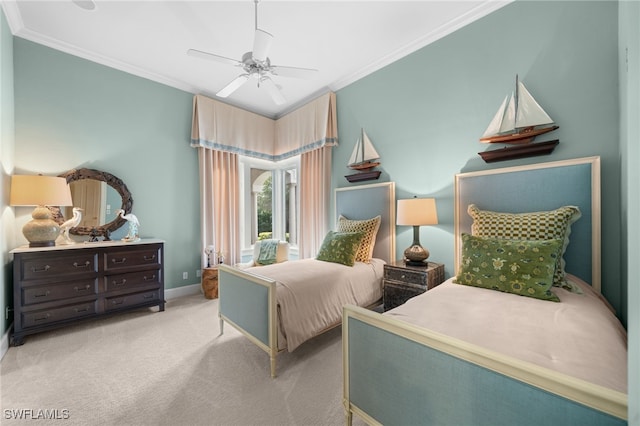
(269, 201)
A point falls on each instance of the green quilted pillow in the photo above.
(523, 267)
(543, 225)
(340, 247)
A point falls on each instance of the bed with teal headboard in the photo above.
(399, 369)
(258, 301)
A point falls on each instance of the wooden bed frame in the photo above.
(247, 301)
(397, 373)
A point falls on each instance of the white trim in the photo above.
(4, 343)
(455, 24)
(187, 290)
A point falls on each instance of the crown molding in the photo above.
(455, 24)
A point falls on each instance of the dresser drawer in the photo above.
(406, 276)
(119, 302)
(132, 280)
(48, 293)
(59, 266)
(133, 257)
(53, 315)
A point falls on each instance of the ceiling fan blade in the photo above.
(261, 44)
(233, 86)
(210, 56)
(294, 72)
(273, 90)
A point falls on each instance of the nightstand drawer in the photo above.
(402, 282)
(405, 276)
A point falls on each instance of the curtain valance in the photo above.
(223, 127)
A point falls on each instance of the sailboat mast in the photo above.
(515, 96)
(362, 145)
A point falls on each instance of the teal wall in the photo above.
(629, 60)
(71, 113)
(425, 112)
(7, 218)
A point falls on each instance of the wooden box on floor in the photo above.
(210, 283)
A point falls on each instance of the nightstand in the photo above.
(402, 282)
(210, 282)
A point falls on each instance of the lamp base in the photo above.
(416, 255)
(41, 231)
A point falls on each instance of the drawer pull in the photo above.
(119, 284)
(46, 268)
(44, 318)
(152, 278)
(86, 287)
(86, 264)
(85, 309)
(149, 296)
(117, 302)
(149, 258)
(45, 294)
(124, 259)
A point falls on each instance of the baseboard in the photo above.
(187, 290)
(4, 343)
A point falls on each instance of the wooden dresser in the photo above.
(57, 286)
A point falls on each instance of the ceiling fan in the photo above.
(257, 65)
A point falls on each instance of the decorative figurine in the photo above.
(209, 251)
(132, 236)
(64, 237)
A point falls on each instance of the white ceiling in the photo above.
(344, 40)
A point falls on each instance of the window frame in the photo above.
(278, 171)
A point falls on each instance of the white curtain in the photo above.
(219, 202)
(315, 191)
(220, 132)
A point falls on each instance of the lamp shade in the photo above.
(38, 190)
(417, 212)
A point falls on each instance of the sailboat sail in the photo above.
(363, 152)
(530, 113)
(518, 119)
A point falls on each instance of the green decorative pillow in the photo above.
(543, 225)
(523, 267)
(340, 247)
(369, 228)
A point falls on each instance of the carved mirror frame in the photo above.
(112, 181)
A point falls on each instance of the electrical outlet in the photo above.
(198, 273)
(185, 275)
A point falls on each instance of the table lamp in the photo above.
(40, 191)
(417, 212)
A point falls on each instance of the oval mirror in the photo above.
(100, 195)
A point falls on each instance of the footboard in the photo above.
(248, 302)
(396, 373)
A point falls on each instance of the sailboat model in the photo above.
(518, 120)
(364, 159)
(364, 156)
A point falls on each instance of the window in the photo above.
(269, 201)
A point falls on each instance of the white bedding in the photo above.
(579, 336)
(311, 294)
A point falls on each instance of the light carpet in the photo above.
(169, 368)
